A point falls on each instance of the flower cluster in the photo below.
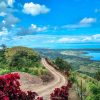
(10, 89)
(61, 93)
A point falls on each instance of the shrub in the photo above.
(62, 65)
(4, 71)
(97, 75)
(47, 77)
(61, 93)
(10, 89)
(21, 57)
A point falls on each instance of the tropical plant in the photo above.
(61, 93)
(10, 89)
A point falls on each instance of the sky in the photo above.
(50, 23)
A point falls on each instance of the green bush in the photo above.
(21, 59)
(62, 65)
(97, 75)
(4, 71)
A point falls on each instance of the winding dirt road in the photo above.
(58, 81)
(31, 83)
(46, 89)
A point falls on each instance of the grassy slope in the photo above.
(35, 68)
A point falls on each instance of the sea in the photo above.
(92, 49)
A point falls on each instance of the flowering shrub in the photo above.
(10, 89)
(61, 93)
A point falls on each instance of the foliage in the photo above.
(97, 75)
(90, 87)
(47, 77)
(77, 61)
(61, 93)
(21, 56)
(2, 57)
(10, 89)
(21, 59)
(73, 78)
(4, 71)
(94, 90)
(62, 65)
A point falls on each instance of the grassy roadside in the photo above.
(87, 87)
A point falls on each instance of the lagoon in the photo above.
(95, 55)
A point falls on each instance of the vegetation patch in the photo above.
(87, 87)
(21, 59)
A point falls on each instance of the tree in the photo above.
(62, 65)
(2, 51)
(21, 57)
(97, 75)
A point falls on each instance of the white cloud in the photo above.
(35, 28)
(11, 20)
(87, 20)
(96, 36)
(87, 38)
(7, 6)
(4, 22)
(67, 40)
(75, 26)
(12, 25)
(4, 31)
(35, 9)
(6, 11)
(50, 41)
(79, 39)
(2, 14)
(11, 2)
(3, 6)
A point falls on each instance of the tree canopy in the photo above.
(21, 56)
(62, 64)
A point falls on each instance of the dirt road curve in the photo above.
(34, 83)
(58, 81)
(46, 89)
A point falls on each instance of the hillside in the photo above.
(21, 59)
(29, 65)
